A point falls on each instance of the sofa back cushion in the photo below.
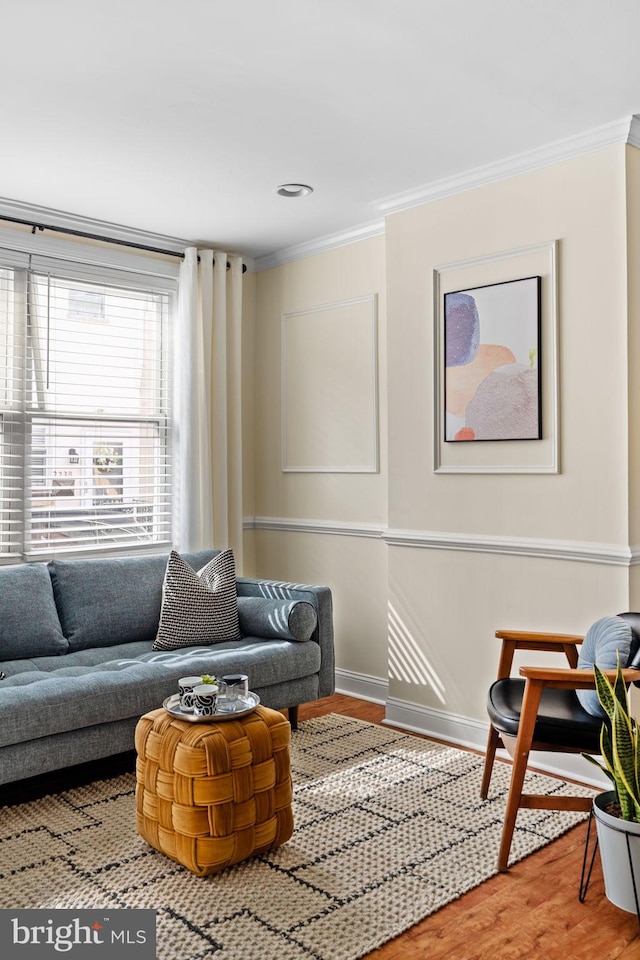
(105, 601)
(29, 624)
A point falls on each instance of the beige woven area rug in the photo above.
(388, 829)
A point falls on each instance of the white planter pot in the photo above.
(618, 840)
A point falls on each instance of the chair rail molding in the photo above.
(334, 527)
(610, 554)
(581, 551)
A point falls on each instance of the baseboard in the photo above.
(456, 729)
(466, 732)
(363, 686)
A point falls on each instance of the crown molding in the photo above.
(633, 139)
(626, 130)
(310, 248)
(71, 221)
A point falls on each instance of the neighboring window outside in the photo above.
(85, 460)
(86, 304)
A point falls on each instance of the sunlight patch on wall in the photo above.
(407, 662)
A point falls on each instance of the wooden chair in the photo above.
(542, 712)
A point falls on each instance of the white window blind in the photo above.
(84, 412)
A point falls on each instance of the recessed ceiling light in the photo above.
(293, 190)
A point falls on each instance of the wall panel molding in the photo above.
(329, 396)
(580, 551)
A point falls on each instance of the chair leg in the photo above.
(511, 812)
(529, 712)
(492, 746)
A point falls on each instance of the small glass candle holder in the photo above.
(237, 687)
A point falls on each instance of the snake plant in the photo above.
(619, 744)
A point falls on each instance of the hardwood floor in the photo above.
(531, 911)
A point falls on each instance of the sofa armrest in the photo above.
(320, 598)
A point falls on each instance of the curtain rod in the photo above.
(94, 236)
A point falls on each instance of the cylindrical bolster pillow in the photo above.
(606, 641)
(276, 619)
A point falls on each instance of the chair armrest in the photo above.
(537, 639)
(513, 640)
(573, 679)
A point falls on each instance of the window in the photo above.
(85, 460)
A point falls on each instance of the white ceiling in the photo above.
(181, 118)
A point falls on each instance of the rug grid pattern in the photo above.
(388, 829)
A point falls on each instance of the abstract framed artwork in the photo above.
(492, 362)
(495, 374)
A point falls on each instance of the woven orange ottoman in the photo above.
(211, 794)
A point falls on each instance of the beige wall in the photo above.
(352, 271)
(248, 417)
(355, 568)
(633, 286)
(353, 565)
(461, 555)
(456, 599)
(581, 204)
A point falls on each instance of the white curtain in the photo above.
(207, 425)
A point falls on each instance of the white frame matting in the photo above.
(503, 456)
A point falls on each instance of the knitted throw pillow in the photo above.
(198, 608)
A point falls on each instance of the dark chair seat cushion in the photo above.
(561, 720)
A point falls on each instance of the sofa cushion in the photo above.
(36, 704)
(284, 619)
(198, 607)
(105, 601)
(29, 623)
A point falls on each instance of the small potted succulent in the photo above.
(617, 811)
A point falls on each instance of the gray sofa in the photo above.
(76, 642)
